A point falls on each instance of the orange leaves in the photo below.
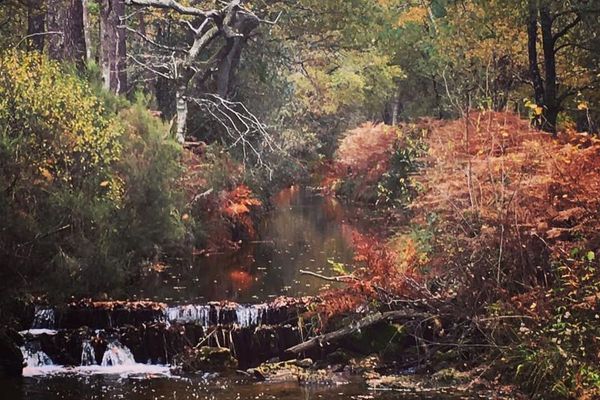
(241, 279)
(239, 201)
(507, 199)
(237, 204)
(366, 150)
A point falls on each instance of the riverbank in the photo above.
(501, 237)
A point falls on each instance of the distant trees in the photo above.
(562, 25)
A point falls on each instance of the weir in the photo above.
(108, 334)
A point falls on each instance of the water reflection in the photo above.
(303, 231)
(141, 388)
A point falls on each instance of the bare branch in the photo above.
(240, 124)
(149, 68)
(152, 42)
(39, 34)
(174, 5)
(566, 29)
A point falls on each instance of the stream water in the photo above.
(303, 231)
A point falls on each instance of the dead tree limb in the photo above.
(342, 278)
(369, 320)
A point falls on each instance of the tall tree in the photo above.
(113, 45)
(560, 26)
(66, 18)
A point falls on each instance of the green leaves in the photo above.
(590, 255)
(338, 267)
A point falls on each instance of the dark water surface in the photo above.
(304, 231)
(114, 387)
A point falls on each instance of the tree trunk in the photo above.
(66, 16)
(534, 69)
(86, 31)
(113, 51)
(35, 25)
(551, 103)
(243, 24)
(182, 112)
(395, 107)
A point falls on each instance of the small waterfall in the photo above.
(35, 358)
(117, 354)
(189, 313)
(44, 318)
(88, 354)
(209, 315)
(250, 315)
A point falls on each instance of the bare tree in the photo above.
(212, 53)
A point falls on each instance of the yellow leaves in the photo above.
(536, 109)
(583, 106)
(59, 116)
(352, 80)
(46, 174)
(416, 14)
(104, 183)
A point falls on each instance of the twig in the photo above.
(38, 34)
(343, 278)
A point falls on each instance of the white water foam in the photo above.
(245, 315)
(148, 371)
(117, 360)
(35, 358)
(117, 354)
(88, 354)
(43, 318)
(189, 313)
(250, 315)
(37, 332)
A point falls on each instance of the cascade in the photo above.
(44, 318)
(189, 313)
(250, 315)
(35, 358)
(117, 354)
(88, 354)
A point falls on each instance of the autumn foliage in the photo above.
(508, 197)
(378, 274)
(366, 150)
(220, 204)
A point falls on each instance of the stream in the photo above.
(304, 231)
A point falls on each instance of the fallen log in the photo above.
(355, 327)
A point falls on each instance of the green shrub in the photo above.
(85, 195)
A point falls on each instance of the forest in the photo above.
(300, 199)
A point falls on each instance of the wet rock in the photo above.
(450, 377)
(205, 359)
(447, 379)
(366, 364)
(300, 371)
(11, 359)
